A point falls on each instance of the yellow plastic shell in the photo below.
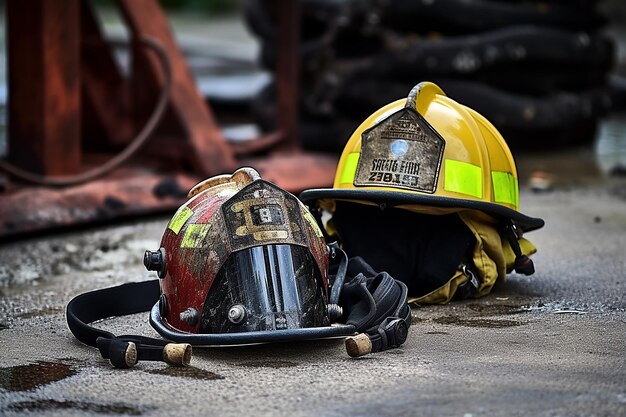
(477, 164)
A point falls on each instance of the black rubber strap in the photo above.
(523, 264)
(340, 276)
(391, 325)
(376, 304)
(123, 351)
(109, 302)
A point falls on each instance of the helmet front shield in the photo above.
(271, 287)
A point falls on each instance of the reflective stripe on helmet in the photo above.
(349, 168)
(464, 178)
(182, 215)
(194, 235)
(505, 188)
(460, 177)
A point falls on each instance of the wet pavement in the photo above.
(553, 344)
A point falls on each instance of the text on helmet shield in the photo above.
(402, 151)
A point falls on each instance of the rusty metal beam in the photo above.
(130, 192)
(211, 152)
(44, 85)
(140, 189)
(106, 93)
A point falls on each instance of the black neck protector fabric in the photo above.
(370, 302)
(423, 251)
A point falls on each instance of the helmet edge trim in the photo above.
(527, 223)
(243, 338)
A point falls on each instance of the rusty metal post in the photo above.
(211, 153)
(106, 92)
(44, 85)
(288, 72)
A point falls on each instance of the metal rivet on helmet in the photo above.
(190, 316)
(237, 314)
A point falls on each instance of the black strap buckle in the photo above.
(523, 264)
(467, 271)
(393, 333)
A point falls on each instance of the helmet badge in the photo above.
(402, 151)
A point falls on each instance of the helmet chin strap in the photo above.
(340, 277)
(373, 304)
(123, 351)
(376, 304)
(523, 264)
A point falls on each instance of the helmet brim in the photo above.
(391, 198)
(247, 338)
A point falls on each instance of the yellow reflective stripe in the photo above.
(349, 168)
(179, 219)
(505, 189)
(464, 178)
(194, 235)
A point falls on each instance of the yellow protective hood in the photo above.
(492, 257)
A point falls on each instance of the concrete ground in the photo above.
(553, 344)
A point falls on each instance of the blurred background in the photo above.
(113, 109)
